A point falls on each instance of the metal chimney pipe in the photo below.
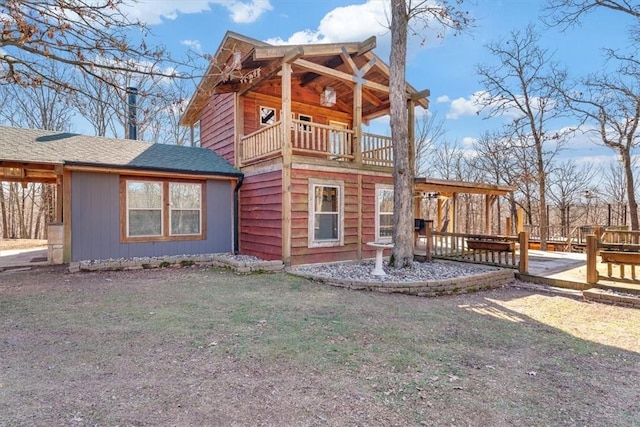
(132, 119)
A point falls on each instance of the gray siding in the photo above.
(95, 221)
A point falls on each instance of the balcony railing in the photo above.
(316, 140)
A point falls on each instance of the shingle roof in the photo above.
(40, 146)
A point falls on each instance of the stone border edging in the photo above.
(461, 284)
(604, 297)
(205, 260)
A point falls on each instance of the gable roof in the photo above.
(59, 148)
(242, 64)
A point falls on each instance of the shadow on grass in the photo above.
(198, 346)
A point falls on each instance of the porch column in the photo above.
(411, 107)
(488, 204)
(439, 214)
(286, 163)
(357, 122)
(453, 227)
(59, 204)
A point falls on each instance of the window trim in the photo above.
(166, 235)
(312, 243)
(378, 189)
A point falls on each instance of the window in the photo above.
(162, 210)
(267, 116)
(195, 134)
(184, 209)
(305, 118)
(326, 203)
(384, 213)
(144, 206)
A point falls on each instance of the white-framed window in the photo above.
(195, 134)
(384, 213)
(326, 213)
(267, 116)
(153, 210)
(185, 209)
(144, 209)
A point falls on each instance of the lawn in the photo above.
(208, 347)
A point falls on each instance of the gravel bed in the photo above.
(421, 271)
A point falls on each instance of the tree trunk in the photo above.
(403, 181)
(542, 185)
(631, 196)
(3, 212)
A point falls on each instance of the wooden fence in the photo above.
(619, 250)
(501, 251)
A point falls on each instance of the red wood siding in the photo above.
(217, 126)
(300, 252)
(261, 216)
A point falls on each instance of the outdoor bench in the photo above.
(491, 245)
(620, 258)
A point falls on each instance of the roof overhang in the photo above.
(243, 64)
(447, 187)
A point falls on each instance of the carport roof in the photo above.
(22, 146)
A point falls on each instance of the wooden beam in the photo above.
(320, 69)
(271, 70)
(420, 95)
(272, 52)
(371, 97)
(346, 58)
(366, 46)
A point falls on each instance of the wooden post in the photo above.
(286, 163)
(428, 243)
(488, 199)
(520, 220)
(360, 209)
(523, 266)
(507, 226)
(357, 123)
(592, 253)
(66, 215)
(439, 215)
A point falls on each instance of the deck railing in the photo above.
(316, 140)
(262, 143)
(377, 150)
(502, 251)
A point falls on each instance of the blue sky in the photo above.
(445, 66)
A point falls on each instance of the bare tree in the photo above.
(89, 36)
(429, 131)
(423, 14)
(566, 13)
(568, 182)
(38, 107)
(612, 102)
(526, 85)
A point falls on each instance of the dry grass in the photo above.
(6, 244)
(207, 347)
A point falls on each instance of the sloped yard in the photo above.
(207, 347)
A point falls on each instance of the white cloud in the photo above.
(468, 141)
(443, 99)
(240, 11)
(347, 23)
(470, 106)
(193, 44)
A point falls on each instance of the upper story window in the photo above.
(384, 213)
(267, 116)
(162, 210)
(195, 134)
(326, 212)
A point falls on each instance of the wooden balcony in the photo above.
(319, 141)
